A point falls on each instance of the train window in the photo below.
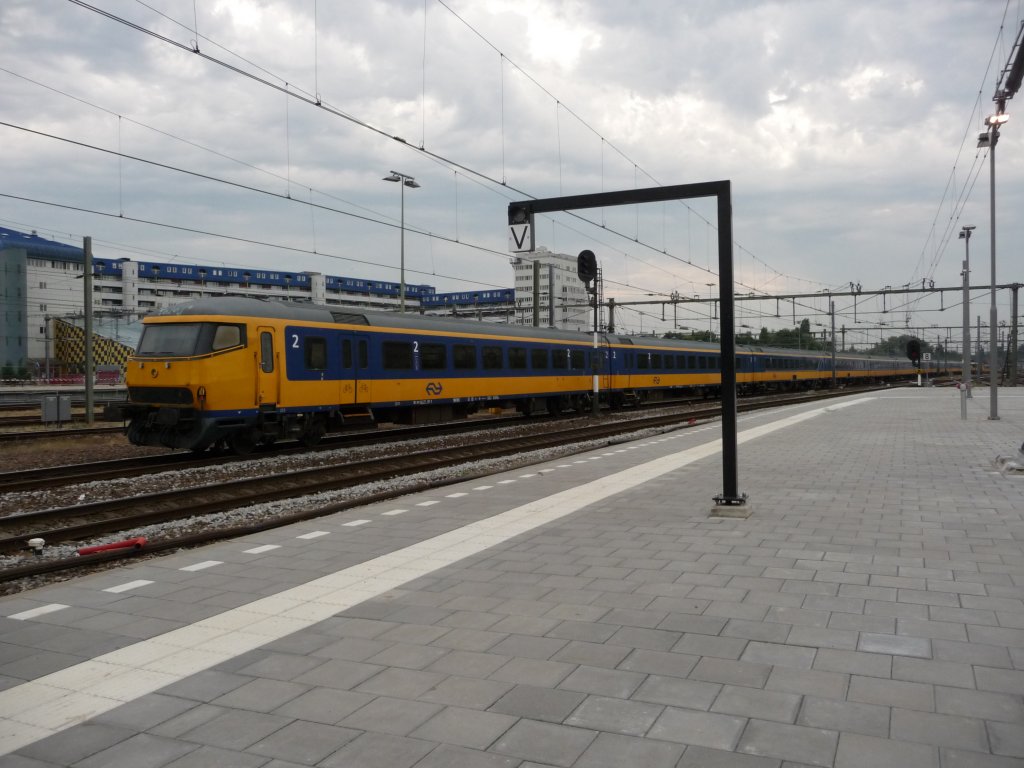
(169, 339)
(493, 358)
(396, 355)
(559, 359)
(538, 359)
(643, 361)
(315, 353)
(691, 362)
(433, 357)
(576, 360)
(681, 362)
(267, 352)
(226, 336)
(702, 362)
(656, 361)
(517, 358)
(670, 362)
(346, 353)
(364, 356)
(464, 356)
(716, 363)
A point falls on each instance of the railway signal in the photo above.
(586, 268)
(914, 351)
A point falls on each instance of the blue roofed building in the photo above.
(40, 284)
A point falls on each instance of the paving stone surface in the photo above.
(869, 613)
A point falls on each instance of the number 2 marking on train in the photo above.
(295, 341)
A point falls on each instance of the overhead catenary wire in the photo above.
(314, 101)
(194, 49)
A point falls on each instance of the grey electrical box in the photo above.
(56, 408)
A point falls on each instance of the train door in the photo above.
(354, 362)
(267, 374)
(360, 368)
(606, 364)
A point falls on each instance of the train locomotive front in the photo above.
(173, 400)
(207, 373)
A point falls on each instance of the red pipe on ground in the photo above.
(136, 543)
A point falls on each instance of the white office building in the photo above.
(563, 298)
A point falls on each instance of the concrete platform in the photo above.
(583, 613)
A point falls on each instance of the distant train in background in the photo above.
(244, 372)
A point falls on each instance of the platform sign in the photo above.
(520, 229)
(926, 356)
(520, 238)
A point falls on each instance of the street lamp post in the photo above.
(989, 139)
(965, 375)
(405, 181)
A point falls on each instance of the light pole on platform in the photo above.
(404, 181)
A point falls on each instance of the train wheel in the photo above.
(554, 406)
(314, 434)
(242, 442)
(533, 406)
(137, 431)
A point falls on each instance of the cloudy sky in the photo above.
(256, 133)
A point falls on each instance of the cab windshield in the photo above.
(188, 339)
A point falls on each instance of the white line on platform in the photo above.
(202, 566)
(42, 610)
(52, 703)
(129, 585)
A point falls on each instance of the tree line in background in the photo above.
(802, 337)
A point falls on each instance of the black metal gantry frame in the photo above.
(523, 211)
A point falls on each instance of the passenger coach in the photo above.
(245, 372)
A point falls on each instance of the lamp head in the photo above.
(393, 177)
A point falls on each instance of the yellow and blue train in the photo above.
(244, 372)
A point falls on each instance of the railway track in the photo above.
(13, 417)
(19, 420)
(49, 477)
(123, 515)
(51, 434)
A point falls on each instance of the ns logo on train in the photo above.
(434, 388)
